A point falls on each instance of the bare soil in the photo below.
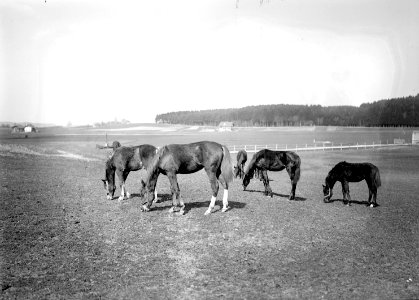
(61, 238)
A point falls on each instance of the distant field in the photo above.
(61, 238)
(158, 134)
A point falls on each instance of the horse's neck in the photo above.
(330, 181)
(110, 175)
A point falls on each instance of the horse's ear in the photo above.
(104, 182)
(323, 185)
(142, 183)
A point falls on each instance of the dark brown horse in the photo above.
(122, 161)
(352, 172)
(186, 159)
(267, 160)
(241, 161)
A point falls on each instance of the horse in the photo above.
(175, 159)
(352, 172)
(122, 161)
(241, 161)
(268, 160)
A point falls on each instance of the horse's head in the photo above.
(327, 193)
(110, 189)
(246, 180)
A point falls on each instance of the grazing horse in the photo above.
(122, 161)
(241, 161)
(267, 160)
(186, 159)
(352, 172)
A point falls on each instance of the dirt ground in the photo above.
(62, 239)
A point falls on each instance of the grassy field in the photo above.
(61, 238)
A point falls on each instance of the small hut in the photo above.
(225, 126)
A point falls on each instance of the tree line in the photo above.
(391, 112)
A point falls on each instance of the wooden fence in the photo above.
(313, 147)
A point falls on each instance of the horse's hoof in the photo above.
(207, 212)
(120, 198)
(224, 209)
(371, 205)
(144, 208)
(171, 210)
(181, 212)
(108, 197)
(127, 195)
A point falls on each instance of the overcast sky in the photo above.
(87, 61)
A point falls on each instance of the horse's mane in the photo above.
(331, 176)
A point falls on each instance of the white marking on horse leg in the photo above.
(225, 201)
(211, 206)
(122, 194)
(182, 207)
(172, 209)
(155, 197)
(127, 194)
(371, 205)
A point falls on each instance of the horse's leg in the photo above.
(121, 177)
(291, 174)
(374, 198)
(174, 187)
(125, 174)
(373, 193)
(155, 196)
(268, 190)
(225, 195)
(214, 186)
(346, 195)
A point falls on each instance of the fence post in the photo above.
(244, 147)
(340, 146)
(356, 145)
(234, 148)
(255, 148)
(276, 146)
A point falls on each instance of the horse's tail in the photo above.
(226, 166)
(376, 177)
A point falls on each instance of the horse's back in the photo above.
(355, 172)
(190, 158)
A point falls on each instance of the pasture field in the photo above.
(62, 239)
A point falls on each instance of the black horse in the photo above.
(352, 172)
(241, 161)
(122, 161)
(186, 159)
(267, 160)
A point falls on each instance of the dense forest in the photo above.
(393, 112)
